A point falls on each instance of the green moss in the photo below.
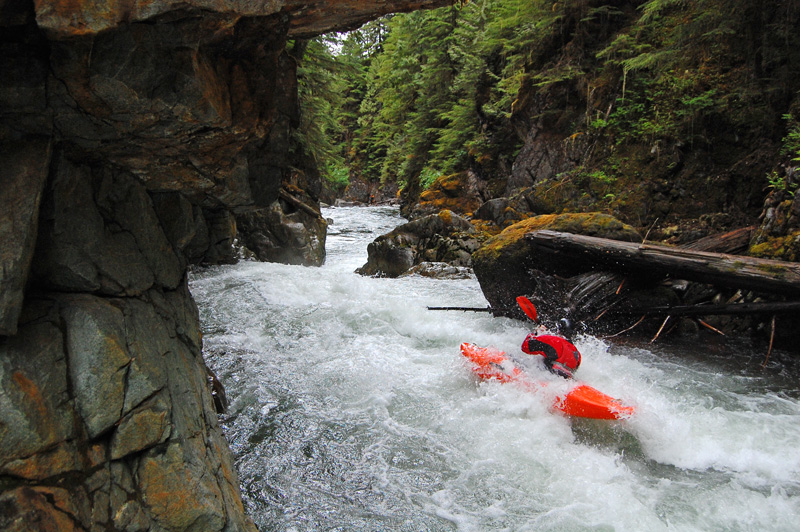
(453, 183)
(486, 228)
(450, 192)
(779, 247)
(511, 239)
(773, 269)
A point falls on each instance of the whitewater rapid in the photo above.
(352, 409)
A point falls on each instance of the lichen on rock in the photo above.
(460, 193)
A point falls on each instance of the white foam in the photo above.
(352, 407)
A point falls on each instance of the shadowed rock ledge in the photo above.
(135, 138)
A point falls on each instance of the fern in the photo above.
(653, 8)
(648, 60)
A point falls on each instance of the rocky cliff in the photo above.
(135, 137)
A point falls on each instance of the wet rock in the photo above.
(546, 151)
(440, 270)
(282, 234)
(163, 477)
(492, 210)
(507, 266)
(36, 413)
(443, 237)
(46, 508)
(360, 191)
(25, 166)
(504, 212)
(130, 134)
(65, 18)
(100, 233)
(221, 234)
(125, 377)
(98, 361)
(131, 517)
(177, 217)
(145, 427)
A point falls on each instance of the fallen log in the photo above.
(647, 260)
(284, 195)
(733, 242)
(776, 307)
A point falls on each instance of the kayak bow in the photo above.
(580, 401)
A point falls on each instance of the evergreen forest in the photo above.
(661, 112)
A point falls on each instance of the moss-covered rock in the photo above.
(778, 236)
(443, 237)
(778, 247)
(511, 242)
(506, 265)
(459, 193)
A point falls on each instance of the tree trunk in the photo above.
(645, 260)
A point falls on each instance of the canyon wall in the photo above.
(135, 138)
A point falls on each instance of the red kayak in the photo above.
(581, 401)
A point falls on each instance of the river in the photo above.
(351, 409)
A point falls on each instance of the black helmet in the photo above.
(565, 326)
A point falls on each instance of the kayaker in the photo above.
(560, 355)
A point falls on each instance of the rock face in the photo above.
(460, 193)
(275, 235)
(544, 154)
(135, 138)
(443, 237)
(107, 421)
(361, 191)
(778, 237)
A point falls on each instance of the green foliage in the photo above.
(599, 176)
(791, 142)
(779, 183)
(338, 176)
(439, 94)
(320, 95)
(595, 181)
(332, 83)
(427, 177)
(690, 67)
(413, 96)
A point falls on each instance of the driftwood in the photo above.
(735, 242)
(284, 195)
(777, 307)
(759, 275)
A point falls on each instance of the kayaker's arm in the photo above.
(537, 346)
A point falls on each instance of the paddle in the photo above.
(528, 308)
(524, 303)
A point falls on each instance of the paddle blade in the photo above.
(528, 308)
